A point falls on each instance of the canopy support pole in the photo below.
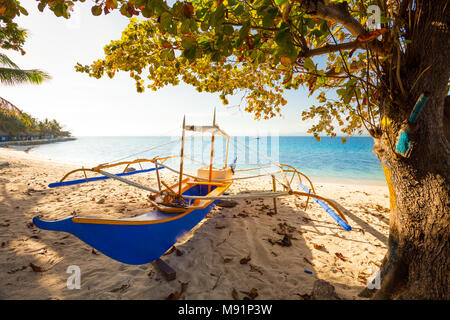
(181, 157)
(157, 176)
(226, 155)
(274, 183)
(212, 153)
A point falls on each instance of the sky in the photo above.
(112, 107)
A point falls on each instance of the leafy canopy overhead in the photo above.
(258, 47)
(11, 35)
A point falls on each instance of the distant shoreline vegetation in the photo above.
(16, 125)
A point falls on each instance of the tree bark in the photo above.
(417, 264)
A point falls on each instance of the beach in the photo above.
(230, 253)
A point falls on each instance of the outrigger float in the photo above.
(177, 208)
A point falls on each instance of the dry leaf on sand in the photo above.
(245, 260)
(251, 295)
(340, 256)
(235, 294)
(37, 268)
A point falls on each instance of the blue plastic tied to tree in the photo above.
(403, 146)
(403, 143)
(417, 108)
(330, 211)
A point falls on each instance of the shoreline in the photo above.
(16, 143)
(24, 155)
(208, 257)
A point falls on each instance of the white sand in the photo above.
(210, 263)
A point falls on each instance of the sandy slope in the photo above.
(211, 254)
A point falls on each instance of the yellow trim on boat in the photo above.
(198, 204)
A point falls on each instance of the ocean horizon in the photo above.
(328, 159)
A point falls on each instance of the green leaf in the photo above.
(190, 53)
(96, 10)
(269, 17)
(228, 30)
(123, 10)
(193, 25)
(238, 9)
(218, 14)
(42, 5)
(309, 64)
(283, 37)
(204, 25)
(279, 2)
(185, 26)
(188, 43)
(244, 30)
(171, 55)
(59, 10)
(23, 11)
(347, 97)
(324, 27)
(147, 12)
(165, 20)
(177, 9)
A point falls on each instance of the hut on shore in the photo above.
(4, 136)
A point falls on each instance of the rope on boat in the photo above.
(140, 152)
(205, 179)
(286, 184)
(258, 175)
(250, 169)
(155, 147)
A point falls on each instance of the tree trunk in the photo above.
(417, 264)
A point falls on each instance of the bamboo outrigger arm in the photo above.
(299, 175)
(97, 169)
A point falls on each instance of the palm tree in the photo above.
(11, 74)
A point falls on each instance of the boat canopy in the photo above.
(214, 129)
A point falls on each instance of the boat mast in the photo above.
(226, 155)
(181, 157)
(212, 153)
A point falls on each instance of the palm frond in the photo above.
(5, 61)
(13, 76)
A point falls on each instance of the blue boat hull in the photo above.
(130, 244)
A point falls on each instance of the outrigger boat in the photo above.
(177, 208)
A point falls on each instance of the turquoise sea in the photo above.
(327, 159)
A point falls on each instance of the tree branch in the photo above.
(354, 67)
(332, 48)
(374, 45)
(334, 12)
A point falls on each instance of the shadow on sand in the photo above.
(233, 249)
